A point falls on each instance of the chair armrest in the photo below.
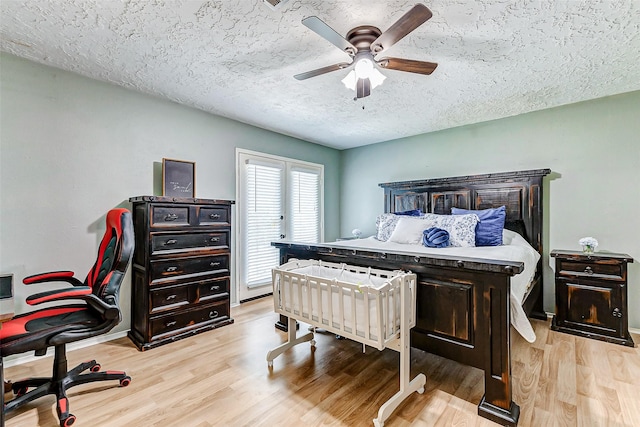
(109, 312)
(78, 292)
(53, 276)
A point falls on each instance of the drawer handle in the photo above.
(214, 239)
(171, 217)
(588, 270)
(214, 216)
(213, 314)
(168, 324)
(171, 269)
(215, 288)
(617, 313)
(170, 242)
(214, 264)
(170, 297)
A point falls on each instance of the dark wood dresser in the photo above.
(181, 276)
(591, 295)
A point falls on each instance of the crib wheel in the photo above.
(313, 343)
(421, 390)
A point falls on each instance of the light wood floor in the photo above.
(220, 378)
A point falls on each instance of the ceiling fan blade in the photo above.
(323, 70)
(418, 15)
(409, 65)
(323, 30)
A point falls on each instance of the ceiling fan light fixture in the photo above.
(364, 69)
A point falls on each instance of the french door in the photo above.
(278, 198)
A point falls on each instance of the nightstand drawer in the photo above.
(609, 269)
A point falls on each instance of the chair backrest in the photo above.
(114, 253)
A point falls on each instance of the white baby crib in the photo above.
(371, 306)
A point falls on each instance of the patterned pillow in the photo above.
(385, 224)
(461, 228)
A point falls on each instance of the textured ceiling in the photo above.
(236, 59)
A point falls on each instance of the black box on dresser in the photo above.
(181, 268)
(591, 295)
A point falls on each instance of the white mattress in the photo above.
(514, 248)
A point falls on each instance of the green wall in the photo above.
(71, 148)
(592, 149)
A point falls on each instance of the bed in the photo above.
(464, 303)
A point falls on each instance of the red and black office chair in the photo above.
(56, 326)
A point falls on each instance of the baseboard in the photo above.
(30, 357)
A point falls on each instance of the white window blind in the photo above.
(264, 191)
(278, 198)
(304, 210)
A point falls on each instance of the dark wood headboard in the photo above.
(520, 192)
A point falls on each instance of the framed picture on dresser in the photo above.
(178, 178)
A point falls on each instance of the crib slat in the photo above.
(367, 319)
(354, 324)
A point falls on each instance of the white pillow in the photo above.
(409, 230)
(461, 228)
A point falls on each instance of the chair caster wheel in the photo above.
(313, 343)
(67, 422)
(270, 363)
(125, 381)
(95, 368)
(21, 391)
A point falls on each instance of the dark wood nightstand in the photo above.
(591, 295)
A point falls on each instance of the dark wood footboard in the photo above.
(462, 312)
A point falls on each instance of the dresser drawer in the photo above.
(170, 297)
(214, 215)
(169, 216)
(192, 319)
(176, 268)
(167, 243)
(213, 289)
(606, 269)
(184, 294)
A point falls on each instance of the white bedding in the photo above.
(514, 248)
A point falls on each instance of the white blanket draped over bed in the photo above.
(514, 248)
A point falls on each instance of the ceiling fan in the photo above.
(364, 43)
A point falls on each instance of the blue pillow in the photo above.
(489, 229)
(413, 212)
(435, 238)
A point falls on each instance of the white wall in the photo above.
(72, 148)
(592, 149)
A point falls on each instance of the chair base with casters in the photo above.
(56, 326)
(61, 381)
